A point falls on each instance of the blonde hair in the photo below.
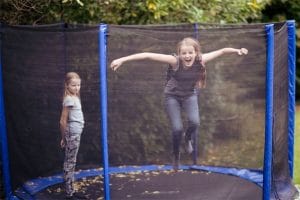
(68, 78)
(190, 42)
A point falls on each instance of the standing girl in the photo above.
(186, 74)
(71, 126)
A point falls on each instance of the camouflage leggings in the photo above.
(71, 150)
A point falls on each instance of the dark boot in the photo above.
(176, 148)
(176, 162)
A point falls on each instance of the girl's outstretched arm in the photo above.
(164, 58)
(214, 54)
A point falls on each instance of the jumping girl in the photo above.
(186, 75)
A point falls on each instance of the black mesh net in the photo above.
(35, 60)
(231, 107)
(232, 102)
(281, 178)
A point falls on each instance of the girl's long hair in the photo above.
(68, 78)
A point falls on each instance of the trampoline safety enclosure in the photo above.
(244, 146)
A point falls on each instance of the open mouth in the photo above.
(188, 62)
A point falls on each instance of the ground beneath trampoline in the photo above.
(162, 185)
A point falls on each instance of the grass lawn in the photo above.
(297, 147)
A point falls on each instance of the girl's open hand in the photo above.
(243, 51)
(115, 64)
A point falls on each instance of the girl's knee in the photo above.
(178, 132)
(194, 124)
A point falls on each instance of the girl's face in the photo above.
(187, 54)
(74, 86)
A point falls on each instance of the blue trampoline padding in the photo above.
(34, 186)
(128, 169)
(22, 194)
(292, 91)
(103, 103)
(269, 112)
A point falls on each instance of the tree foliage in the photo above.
(130, 11)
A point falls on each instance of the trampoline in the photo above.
(185, 184)
(244, 149)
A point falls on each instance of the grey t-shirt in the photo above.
(75, 120)
(181, 81)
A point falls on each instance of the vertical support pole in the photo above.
(103, 99)
(267, 175)
(291, 91)
(196, 136)
(3, 135)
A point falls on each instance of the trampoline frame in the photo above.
(32, 187)
(265, 175)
